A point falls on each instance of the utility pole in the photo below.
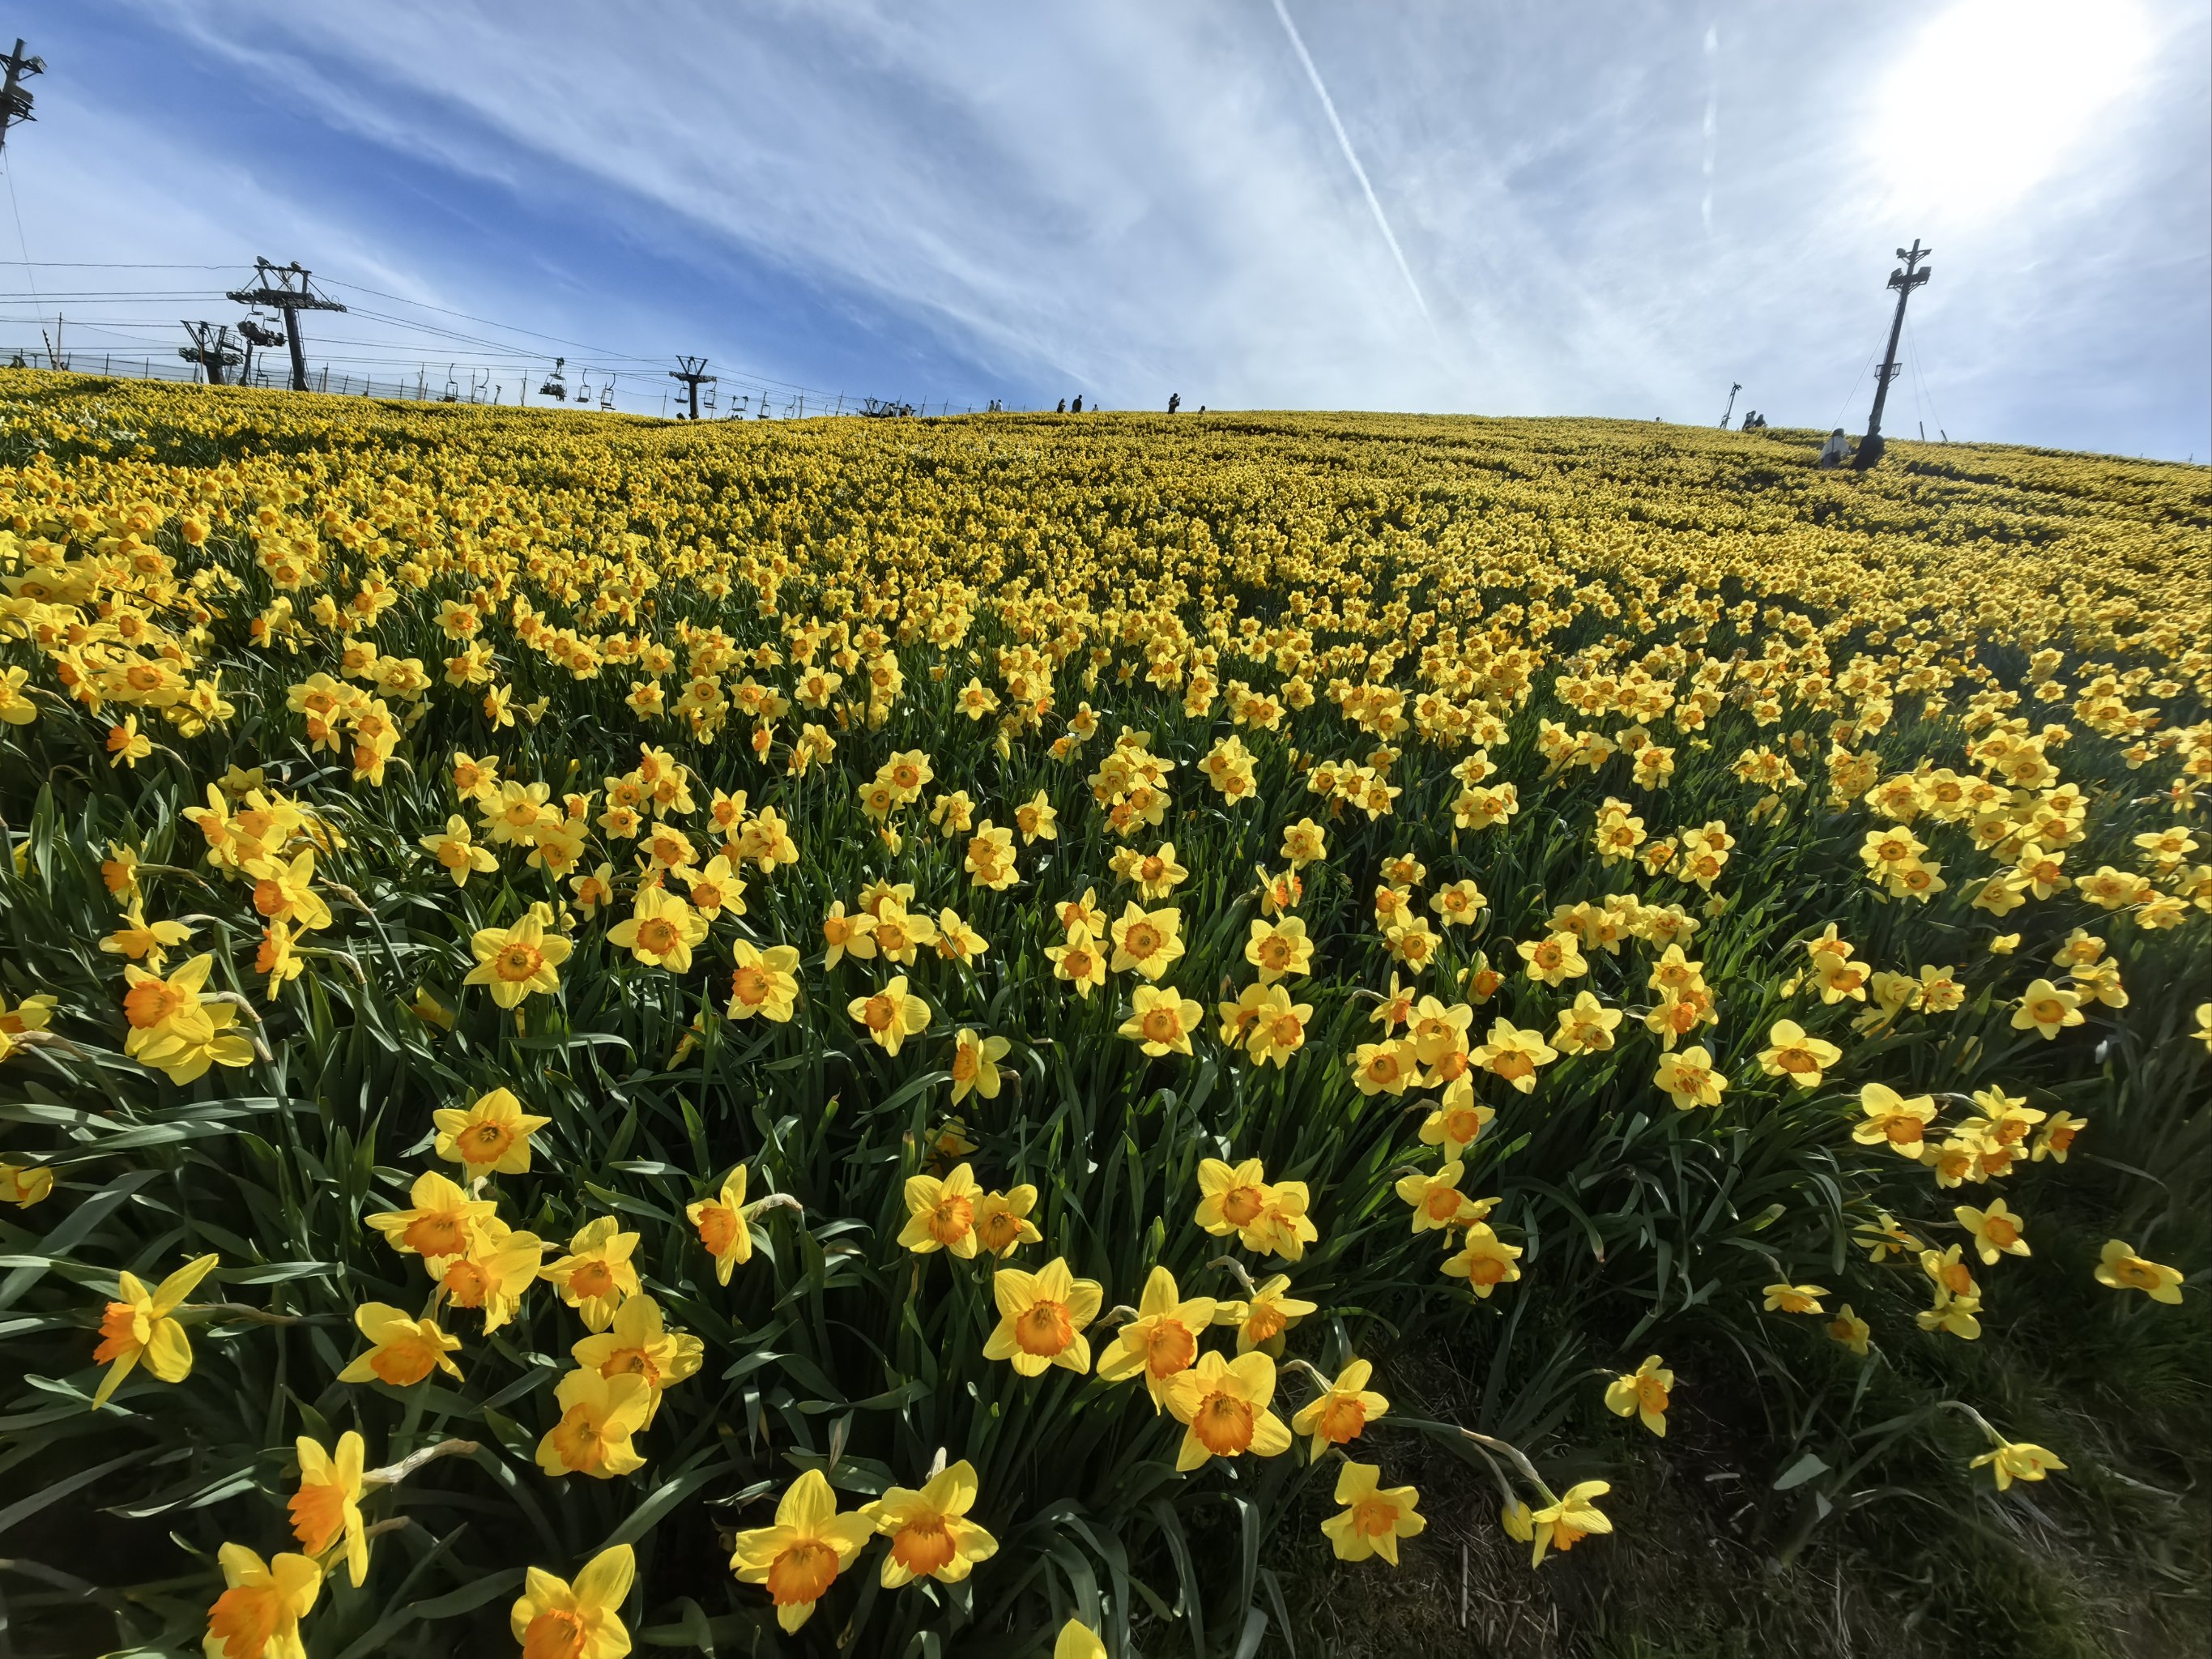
(14, 100)
(211, 349)
(1731, 409)
(275, 290)
(1909, 276)
(693, 372)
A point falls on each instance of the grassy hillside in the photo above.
(1032, 1034)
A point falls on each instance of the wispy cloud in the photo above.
(1351, 155)
(976, 200)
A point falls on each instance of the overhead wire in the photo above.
(486, 352)
(1919, 380)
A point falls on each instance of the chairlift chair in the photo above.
(607, 394)
(584, 392)
(452, 387)
(554, 386)
(707, 398)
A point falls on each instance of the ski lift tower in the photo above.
(210, 350)
(14, 100)
(286, 288)
(692, 373)
(1911, 274)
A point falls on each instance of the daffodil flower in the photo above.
(800, 1557)
(139, 1325)
(931, 1536)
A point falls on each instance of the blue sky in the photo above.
(1515, 207)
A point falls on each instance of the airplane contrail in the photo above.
(1344, 143)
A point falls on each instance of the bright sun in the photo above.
(1995, 94)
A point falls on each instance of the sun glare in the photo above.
(1996, 93)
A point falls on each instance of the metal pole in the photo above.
(299, 351)
(1903, 282)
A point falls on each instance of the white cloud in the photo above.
(1133, 199)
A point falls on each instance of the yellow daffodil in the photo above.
(325, 1510)
(258, 1616)
(1231, 1198)
(720, 1221)
(2017, 1461)
(1339, 1414)
(1566, 1521)
(1457, 1124)
(891, 1016)
(1080, 961)
(441, 1222)
(1996, 1231)
(1793, 1052)
(553, 1618)
(1161, 1020)
(597, 1274)
(456, 852)
(20, 1186)
(1277, 1027)
(800, 1557)
(1279, 949)
(2119, 1267)
(139, 1325)
(1643, 1393)
(145, 941)
(2046, 1009)
(1041, 1319)
(638, 1344)
(1892, 1118)
(931, 1536)
(1848, 1329)
(1223, 1405)
(765, 982)
(1002, 1222)
(517, 962)
(975, 1064)
(1373, 1517)
(1147, 942)
(660, 932)
(1484, 1262)
(491, 1137)
(1513, 1054)
(1793, 1298)
(499, 1267)
(1688, 1078)
(1435, 1199)
(600, 1415)
(941, 1214)
(1162, 1341)
(402, 1350)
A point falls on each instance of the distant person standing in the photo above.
(1835, 451)
(1062, 409)
(1077, 407)
(1174, 402)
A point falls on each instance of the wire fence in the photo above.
(462, 385)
